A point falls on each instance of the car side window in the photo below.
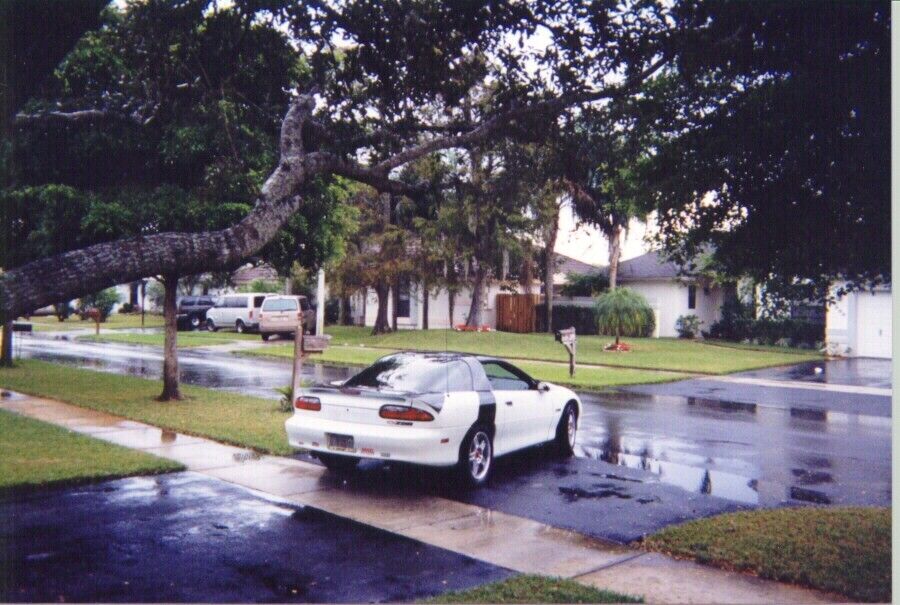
(502, 378)
(258, 301)
(240, 302)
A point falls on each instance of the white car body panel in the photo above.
(226, 317)
(531, 418)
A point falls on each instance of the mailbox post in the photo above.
(568, 338)
(305, 344)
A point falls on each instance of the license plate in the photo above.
(339, 442)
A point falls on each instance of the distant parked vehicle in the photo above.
(238, 311)
(192, 311)
(282, 314)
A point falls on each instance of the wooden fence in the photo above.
(515, 312)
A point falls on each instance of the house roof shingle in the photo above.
(566, 264)
(652, 265)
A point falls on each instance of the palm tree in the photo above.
(623, 312)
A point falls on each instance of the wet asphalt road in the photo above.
(648, 456)
(187, 538)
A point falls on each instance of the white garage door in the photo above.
(873, 327)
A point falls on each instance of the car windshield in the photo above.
(415, 373)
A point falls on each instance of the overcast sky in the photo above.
(588, 245)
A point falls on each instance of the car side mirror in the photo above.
(543, 387)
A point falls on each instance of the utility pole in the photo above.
(320, 303)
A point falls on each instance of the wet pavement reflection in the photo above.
(737, 453)
(187, 538)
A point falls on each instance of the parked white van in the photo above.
(238, 311)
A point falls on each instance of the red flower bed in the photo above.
(465, 328)
(621, 347)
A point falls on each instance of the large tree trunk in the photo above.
(382, 290)
(425, 301)
(476, 309)
(547, 271)
(395, 304)
(451, 304)
(170, 348)
(6, 357)
(615, 251)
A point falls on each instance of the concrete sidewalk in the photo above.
(509, 541)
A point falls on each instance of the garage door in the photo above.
(873, 328)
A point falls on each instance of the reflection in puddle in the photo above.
(809, 495)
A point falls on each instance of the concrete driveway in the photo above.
(188, 538)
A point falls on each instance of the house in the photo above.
(858, 324)
(672, 292)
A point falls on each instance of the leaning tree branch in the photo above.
(72, 274)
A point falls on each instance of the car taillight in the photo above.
(402, 412)
(300, 315)
(251, 313)
(308, 403)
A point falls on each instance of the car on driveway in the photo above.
(282, 314)
(434, 409)
(192, 311)
(238, 311)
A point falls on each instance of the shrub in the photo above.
(261, 285)
(286, 403)
(332, 311)
(127, 308)
(738, 325)
(580, 284)
(62, 311)
(688, 326)
(582, 318)
(103, 301)
(623, 312)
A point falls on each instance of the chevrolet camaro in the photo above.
(434, 409)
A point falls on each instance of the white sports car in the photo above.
(435, 409)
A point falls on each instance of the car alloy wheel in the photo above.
(239, 327)
(211, 325)
(571, 426)
(195, 322)
(479, 456)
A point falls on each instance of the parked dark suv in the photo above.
(192, 311)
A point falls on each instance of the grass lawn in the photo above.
(844, 550)
(227, 417)
(586, 377)
(534, 589)
(648, 353)
(113, 322)
(34, 454)
(185, 339)
(666, 354)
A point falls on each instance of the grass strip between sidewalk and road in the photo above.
(228, 417)
(116, 321)
(37, 454)
(671, 354)
(185, 339)
(843, 550)
(534, 589)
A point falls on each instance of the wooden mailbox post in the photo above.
(305, 344)
(568, 338)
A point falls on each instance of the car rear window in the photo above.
(258, 301)
(415, 373)
(280, 304)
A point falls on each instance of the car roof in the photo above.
(451, 355)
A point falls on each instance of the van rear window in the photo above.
(280, 304)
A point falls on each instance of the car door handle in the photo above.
(509, 403)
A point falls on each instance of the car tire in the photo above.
(195, 322)
(211, 325)
(337, 463)
(476, 457)
(239, 327)
(264, 336)
(566, 431)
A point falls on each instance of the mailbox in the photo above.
(315, 344)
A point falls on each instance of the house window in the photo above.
(692, 297)
(403, 297)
